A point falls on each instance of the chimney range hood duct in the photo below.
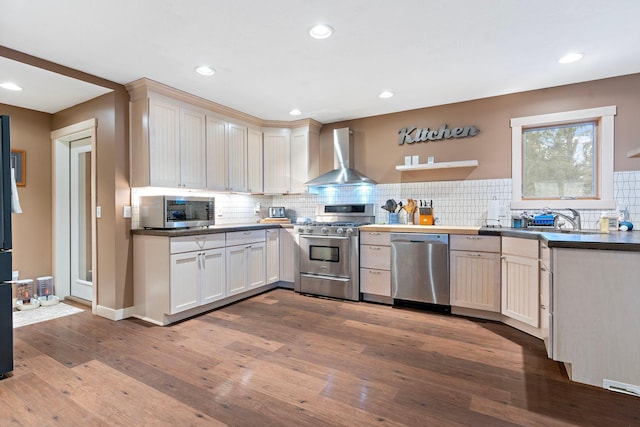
(343, 174)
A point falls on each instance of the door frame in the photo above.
(61, 250)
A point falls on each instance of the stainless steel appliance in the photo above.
(328, 262)
(6, 301)
(276, 212)
(420, 269)
(176, 211)
(343, 172)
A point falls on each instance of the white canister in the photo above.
(415, 160)
(407, 160)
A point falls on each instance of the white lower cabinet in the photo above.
(288, 254)
(475, 272)
(520, 287)
(246, 261)
(375, 263)
(273, 255)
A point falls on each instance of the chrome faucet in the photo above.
(573, 220)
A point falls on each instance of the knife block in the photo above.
(426, 216)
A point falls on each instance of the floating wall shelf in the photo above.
(634, 153)
(441, 165)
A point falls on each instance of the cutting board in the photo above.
(275, 221)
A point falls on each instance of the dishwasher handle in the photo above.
(420, 238)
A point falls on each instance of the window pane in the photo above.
(558, 161)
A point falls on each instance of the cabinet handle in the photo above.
(373, 272)
(374, 248)
(473, 238)
(246, 233)
(543, 307)
(543, 269)
(373, 233)
(503, 257)
(475, 255)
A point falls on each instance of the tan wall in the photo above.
(114, 269)
(32, 229)
(376, 138)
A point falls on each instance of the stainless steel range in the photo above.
(329, 259)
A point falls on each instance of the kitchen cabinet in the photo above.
(273, 255)
(167, 144)
(375, 264)
(288, 254)
(237, 157)
(234, 157)
(277, 160)
(475, 272)
(246, 260)
(546, 286)
(519, 284)
(291, 158)
(254, 161)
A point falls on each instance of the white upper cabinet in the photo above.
(277, 160)
(254, 161)
(217, 175)
(193, 161)
(291, 158)
(167, 144)
(304, 157)
(237, 157)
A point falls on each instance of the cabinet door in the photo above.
(546, 283)
(276, 146)
(237, 151)
(212, 275)
(193, 160)
(376, 282)
(256, 265)
(254, 161)
(475, 280)
(185, 289)
(299, 160)
(217, 172)
(164, 143)
(273, 256)
(236, 261)
(520, 295)
(288, 254)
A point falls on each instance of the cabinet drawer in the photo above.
(375, 238)
(375, 257)
(474, 243)
(376, 282)
(246, 237)
(196, 243)
(522, 247)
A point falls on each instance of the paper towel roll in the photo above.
(493, 212)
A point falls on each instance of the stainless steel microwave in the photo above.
(176, 211)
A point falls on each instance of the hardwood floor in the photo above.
(285, 359)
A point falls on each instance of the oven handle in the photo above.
(318, 276)
(324, 237)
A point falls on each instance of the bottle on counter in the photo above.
(604, 223)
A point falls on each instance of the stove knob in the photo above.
(324, 230)
(309, 230)
(349, 231)
(340, 230)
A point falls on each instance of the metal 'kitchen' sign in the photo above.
(415, 134)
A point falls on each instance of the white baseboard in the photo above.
(114, 315)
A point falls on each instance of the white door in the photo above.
(80, 219)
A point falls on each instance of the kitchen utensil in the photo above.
(390, 206)
(399, 207)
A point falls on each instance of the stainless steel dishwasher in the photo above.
(420, 269)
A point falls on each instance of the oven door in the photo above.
(325, 255)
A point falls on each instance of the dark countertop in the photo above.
(224, 228)
(613, 241)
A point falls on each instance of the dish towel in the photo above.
(15, 200)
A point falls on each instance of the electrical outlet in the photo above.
(257, 208)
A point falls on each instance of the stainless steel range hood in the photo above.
(343, 174)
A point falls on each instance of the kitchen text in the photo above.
(415, 134)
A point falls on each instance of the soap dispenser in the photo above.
(604, 223)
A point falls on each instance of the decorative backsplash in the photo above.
(454, 202)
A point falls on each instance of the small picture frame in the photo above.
(19, 164)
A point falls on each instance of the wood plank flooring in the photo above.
(281, 359)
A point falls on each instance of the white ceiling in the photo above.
(428, 52)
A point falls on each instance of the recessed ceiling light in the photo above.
(321, 31)
(571, 57)
(385, 94)
(10, 86)
(295, 112)
(205, 70)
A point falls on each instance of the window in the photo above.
(563, 160)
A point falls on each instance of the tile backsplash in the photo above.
(455, 202)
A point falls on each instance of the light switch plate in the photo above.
(126, 212)
(98, 211)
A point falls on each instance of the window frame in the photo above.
(604, 116)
